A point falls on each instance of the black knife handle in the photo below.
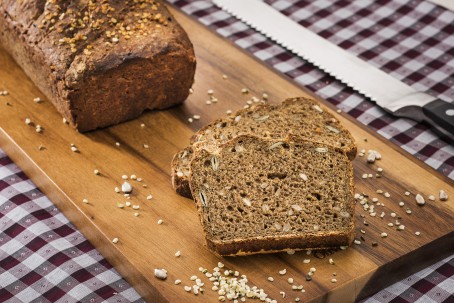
(441, 113)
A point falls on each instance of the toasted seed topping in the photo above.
(262, 118)
(321, 149)
(247, 201)
(318, 108)
(303, 176)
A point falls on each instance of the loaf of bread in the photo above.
(301, 117)
(258, 195)
(100, 62)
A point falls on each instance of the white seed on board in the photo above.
(177, 281)
(115, 240)
(271, 279)
(28, 121)
(443, 195)
(177, 254)
(420, 200)
(307, 261)
(283, 272)
(417, 233)
(290, 280)
(126, 187)
(196, 117)
(160, 222)
(383, 235)
(160, 273)
(85, 201)
(149, 197)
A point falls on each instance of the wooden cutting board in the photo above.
(68, 178)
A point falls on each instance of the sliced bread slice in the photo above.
(296, 116)
(258, 195)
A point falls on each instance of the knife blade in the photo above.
(389, 93)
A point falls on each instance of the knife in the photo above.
(391, 94)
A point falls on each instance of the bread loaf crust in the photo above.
(93, 77)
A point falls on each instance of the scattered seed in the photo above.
(401, 227)
(283, 272)
(136, 214)
(228, 112)
(224, 76)
(149, 197)
(177, 281)
(160, 221)
(126, 187)
(383, 235)
(245, 91)
(28, 121)
(146, 146)
(117, 144)
(115, 240)
(190, 120)
(135, 207)
(271, 279)
(407, 193)
(41, 147)
(387, 195)
(74, 149)
(196, 117)
(401, 203)
(331, 261)
(420, 200)
(417, 233)
(37, 100)
(333, 280)
(177, 254)
(371, 157)
(364, 176)
(443, 195)
(187, 288)
(408, 211)
(210, 92)
(357, 242)
(307, 261)
(85, 201)
(96, 172)
(431, 197)
(160, 273)
(128, 203)
(290, 252)
(290, 280)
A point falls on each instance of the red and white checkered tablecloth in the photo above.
(43, 258)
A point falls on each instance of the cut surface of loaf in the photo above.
(95, 61)
(301, 117)
(259, 195)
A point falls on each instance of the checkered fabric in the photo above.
(411, 40)
(431, 285)
(43, 258)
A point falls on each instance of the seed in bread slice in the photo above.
(297, 116)
(258, 195)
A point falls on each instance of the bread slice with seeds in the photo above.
(301, 117)
(258, 195)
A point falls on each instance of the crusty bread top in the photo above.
(77, 27)
(253, 187)
(296, 116)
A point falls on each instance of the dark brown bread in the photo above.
(296, 116)
(258, 195)
(100, 62)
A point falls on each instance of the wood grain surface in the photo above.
(68, 178)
